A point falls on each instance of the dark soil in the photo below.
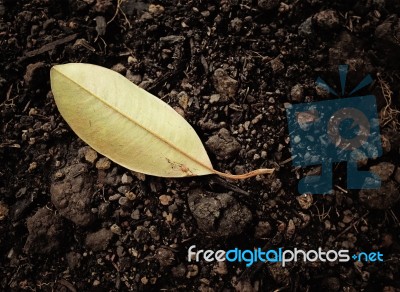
(71, 220)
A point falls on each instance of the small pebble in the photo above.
(120, 251)
(114, 197)
(156, 9)
(165, 200)
(257, 119)
(183, 100)
(305, 29)
(277, 65)
(135, 215)
(103, 163)
(225, 85)
(268, 4)
(90, 155)
(165, 256)
(35, 74)
(123, 201)
(32, 166)
(327, 224)
(59, 175)
(126, 179)
(384, 170)
(236, 24)
(348, 217)
(101, 25)
(386, 145)
(205, 13)
(103, 209)
(115, 229)
(220, 268)
(123, 189)
(135, 78)
(179, 271)
(263, 229)
(154, 233)
(192, 271)
(305, 201)
(3, 211)
(130, 195)
(146, 16)
(297, 93)
(291, 229)
(214, 98)
(141, 234)
(327, 19)
(246, 125)
(179, 110)
(306, 219)
(120, 68)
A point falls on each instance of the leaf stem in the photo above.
(245, 175)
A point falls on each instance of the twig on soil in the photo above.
(219, 181)
(26, 106)
(395, 219)
(288, 160)
(48, 47)
(350, 226)
(10, 144)
(122, 12)
(85, 44)
(388, 113)
(341, 189)
(105, 44)
(9, 101)
(322, 216)
(67, 284)
(14, 275)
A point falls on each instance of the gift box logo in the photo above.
(331, 131)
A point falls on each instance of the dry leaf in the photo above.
(129, 125)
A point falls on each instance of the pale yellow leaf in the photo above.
(129, 125)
